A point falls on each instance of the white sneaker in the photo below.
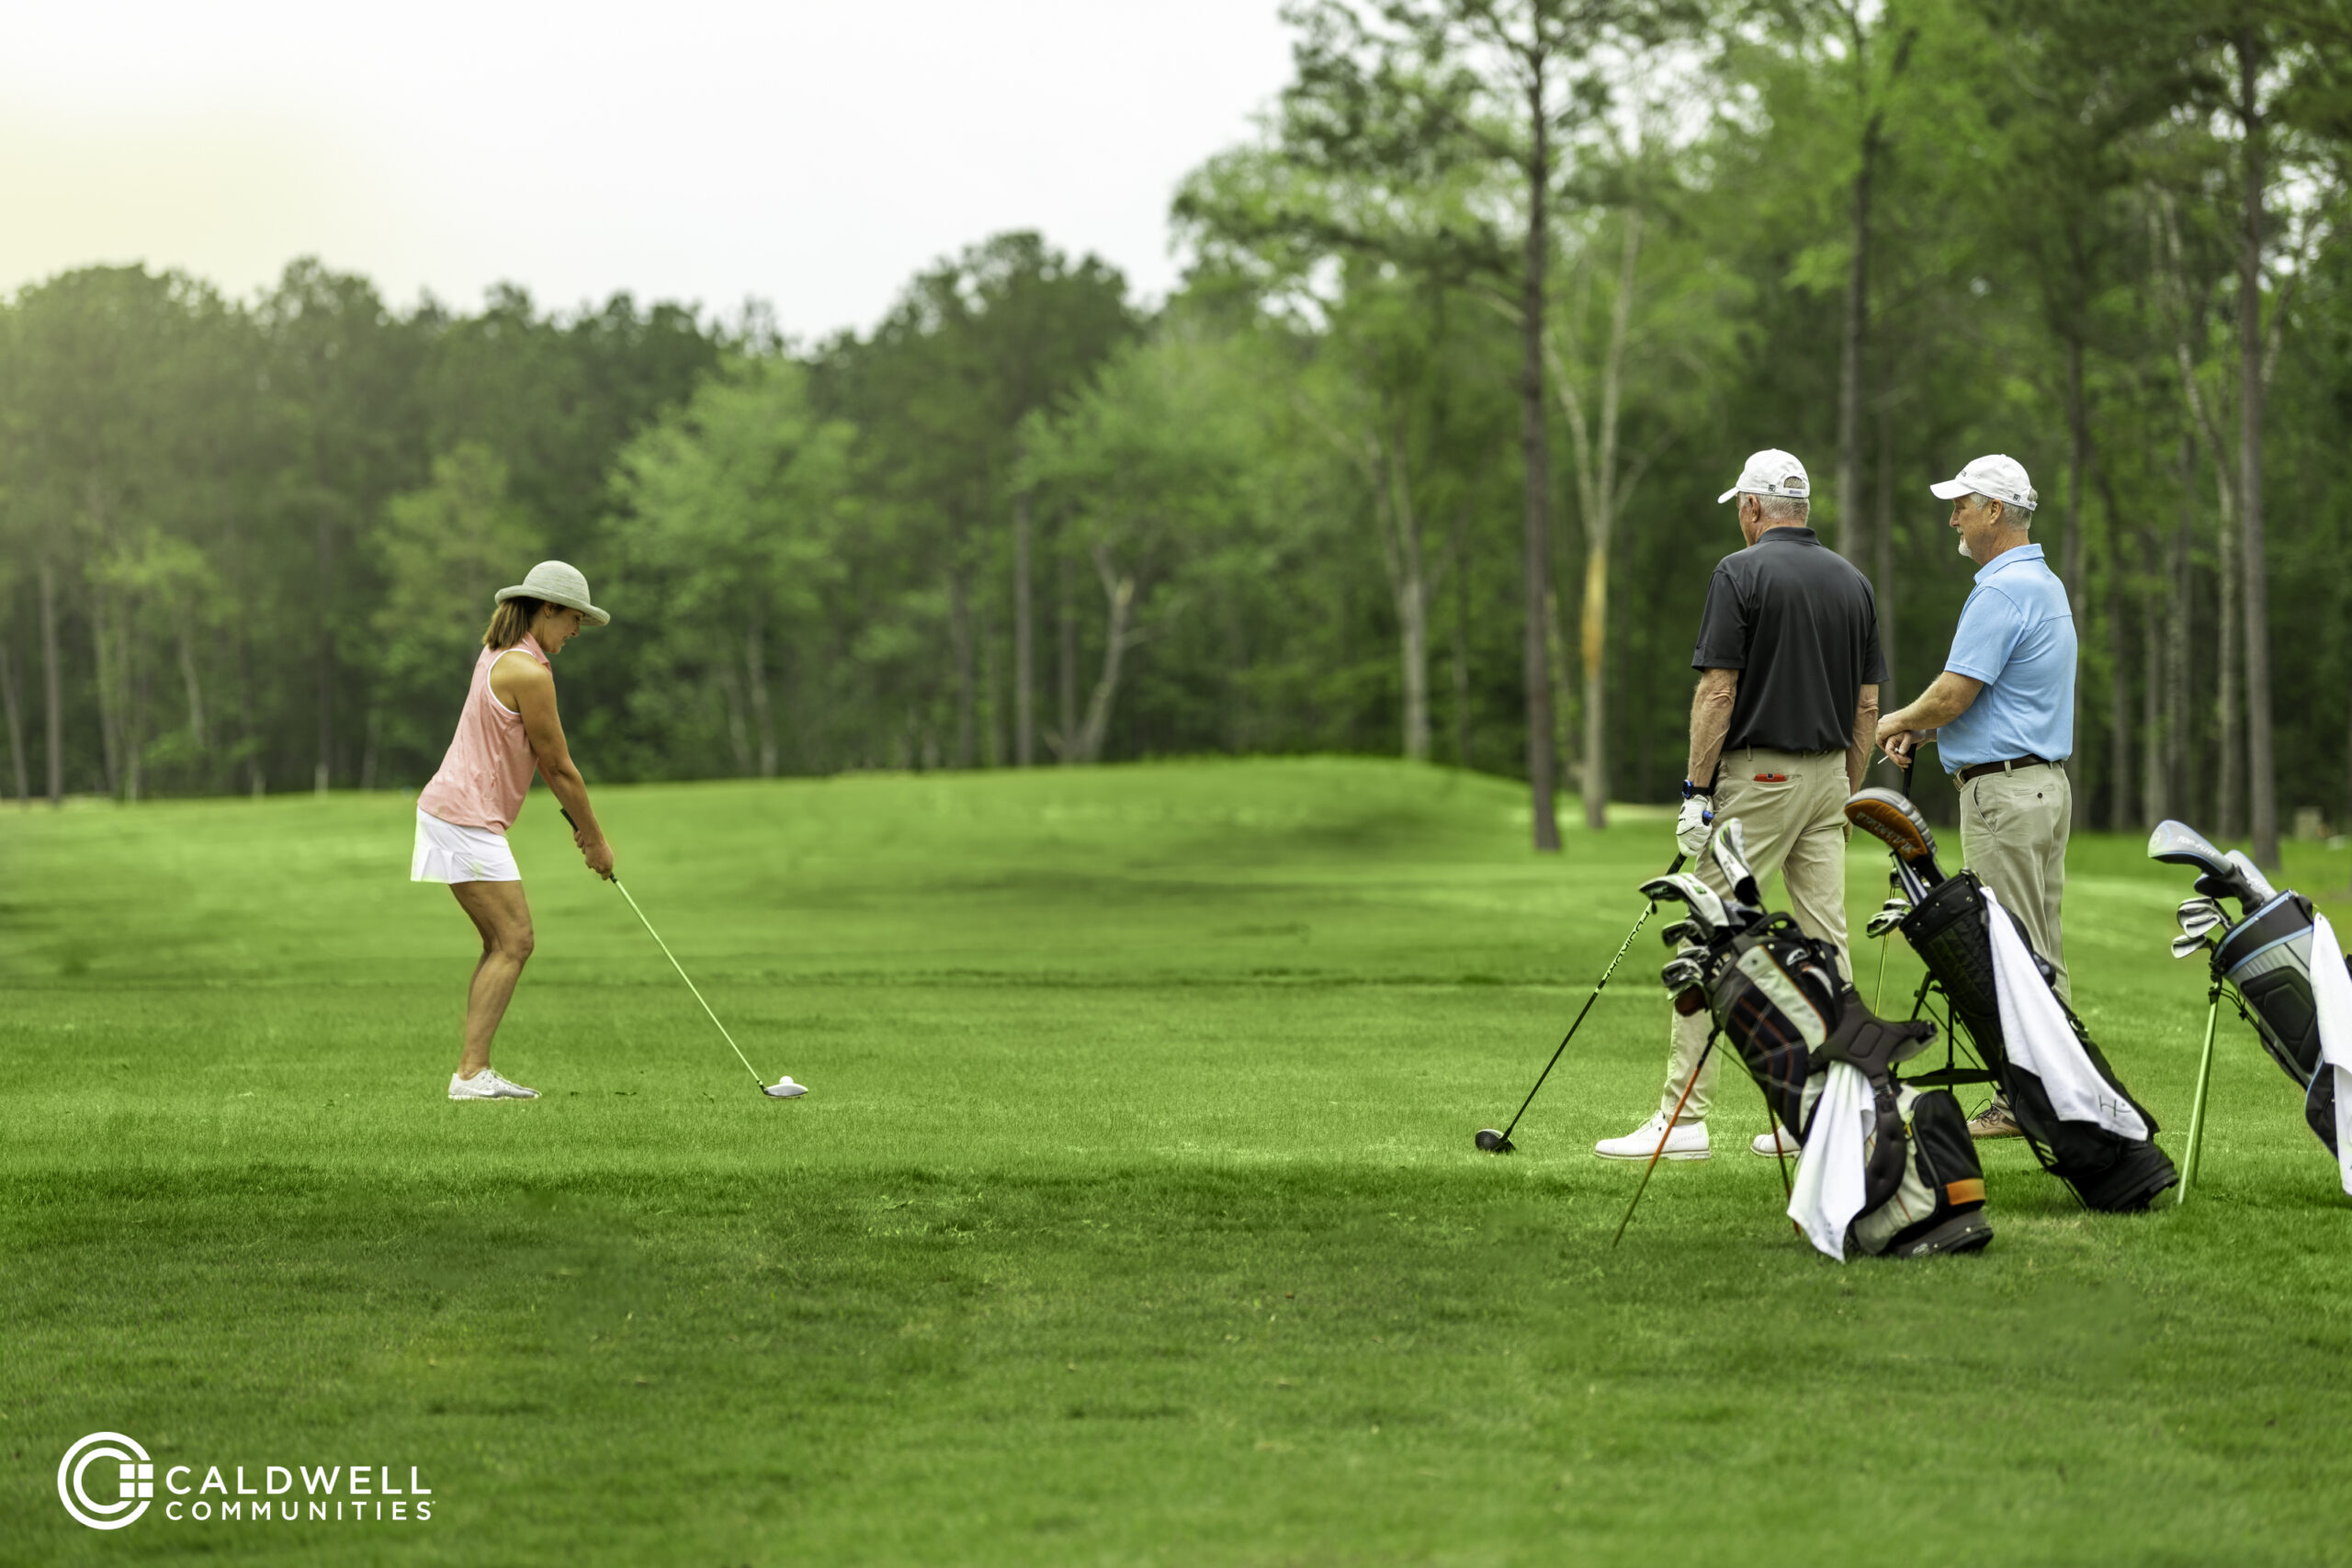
(487, 1085)
(1773, 1145)
(1688, 1141)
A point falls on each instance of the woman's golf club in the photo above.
(783, 1088)
(1498, 1143)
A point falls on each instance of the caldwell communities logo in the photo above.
(329, 1493)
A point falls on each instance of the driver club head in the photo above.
(2177, 843)
(783, 1088)
(1493, 1142)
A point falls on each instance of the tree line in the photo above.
(1420, 458)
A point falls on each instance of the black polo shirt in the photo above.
(1800, 624)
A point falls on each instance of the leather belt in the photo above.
(1980, 768)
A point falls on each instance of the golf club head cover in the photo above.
(2266, 958)
(1730, 850)
(2112, 1173)
(1891, 818)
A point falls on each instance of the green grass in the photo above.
(1133, 1217)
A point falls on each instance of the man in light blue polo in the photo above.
(2002, 716)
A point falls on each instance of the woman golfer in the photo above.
(509, 728)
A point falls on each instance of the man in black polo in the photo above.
(1781, 731)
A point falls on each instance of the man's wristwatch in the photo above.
(1691, 790)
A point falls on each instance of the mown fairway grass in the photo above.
(1133, 1218)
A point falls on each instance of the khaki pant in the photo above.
(1796, 828)
(2013, 831)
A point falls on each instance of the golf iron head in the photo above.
(2200, 915)
(1891, 915)
(1704, 905)
(2185, 946)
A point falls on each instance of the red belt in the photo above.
(1980, 768)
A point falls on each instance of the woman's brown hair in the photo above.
(511, 622)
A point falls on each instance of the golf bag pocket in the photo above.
(1940, 1196)
(1946, 930)
(1776, 1000)
(2268, 958)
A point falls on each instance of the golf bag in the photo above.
(2266, 958)
(2113, 1173)
(1775, 994)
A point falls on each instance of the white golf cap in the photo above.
(1770, 472)
(558, 582)
(2000, 477)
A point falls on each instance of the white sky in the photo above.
(812, 155)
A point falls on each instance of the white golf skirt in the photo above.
(447, 852)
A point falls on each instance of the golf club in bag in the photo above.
(783, 1088)
(1888, 1169)
(2273, 963)
(1498, 1142)
(2083, 1124)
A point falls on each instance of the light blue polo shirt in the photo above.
(2016, 635)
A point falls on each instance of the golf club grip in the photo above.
(567, 816)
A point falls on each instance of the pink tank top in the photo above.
(488, 771)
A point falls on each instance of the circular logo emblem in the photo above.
(116, 1460)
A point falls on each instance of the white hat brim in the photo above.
(1951, 490)
(1726, 495)
(593, 617)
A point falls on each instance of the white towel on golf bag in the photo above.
(2042, 1041)
(2331, 996)
(1829, 1190)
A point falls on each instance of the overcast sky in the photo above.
(812, 155)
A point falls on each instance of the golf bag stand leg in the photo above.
(2197, 1109)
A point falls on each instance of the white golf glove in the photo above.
(1692, 827)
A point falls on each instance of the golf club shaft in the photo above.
(2197, 1108)
(1647, 910)
(681, 971)
(1671, 1121)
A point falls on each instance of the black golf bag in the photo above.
(2112, 1173)
(1775, 994)
(2268, 959)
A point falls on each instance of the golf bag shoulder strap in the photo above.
(1872, 1044)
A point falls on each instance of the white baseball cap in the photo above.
(558, 582)
(1770, 472)
(2000, 477)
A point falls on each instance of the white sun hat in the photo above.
(558, 582)
(1770, 472)
(1998, 477)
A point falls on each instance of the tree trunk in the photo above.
(1883, 575)
(2180, 574)
(52, 710)
(134, 736)
(16, 726)
(1024, 642)
(968, 691)
(2155, 802)
(109, 709)
(756, 687)
(992, 748)
(326, 656)
(252, 732)
(2070, 556)
(1119, 597)
(1851, 344)
(1593, 647)
(194, 692)
(2262, 782)
(2118, 692)
(1460, 566)
(1066, 586)
(1535, 667)
(1411, 584)
(2228, 803)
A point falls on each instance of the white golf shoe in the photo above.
(487, 1085)
(1688, 1141)
(1780, 1141)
